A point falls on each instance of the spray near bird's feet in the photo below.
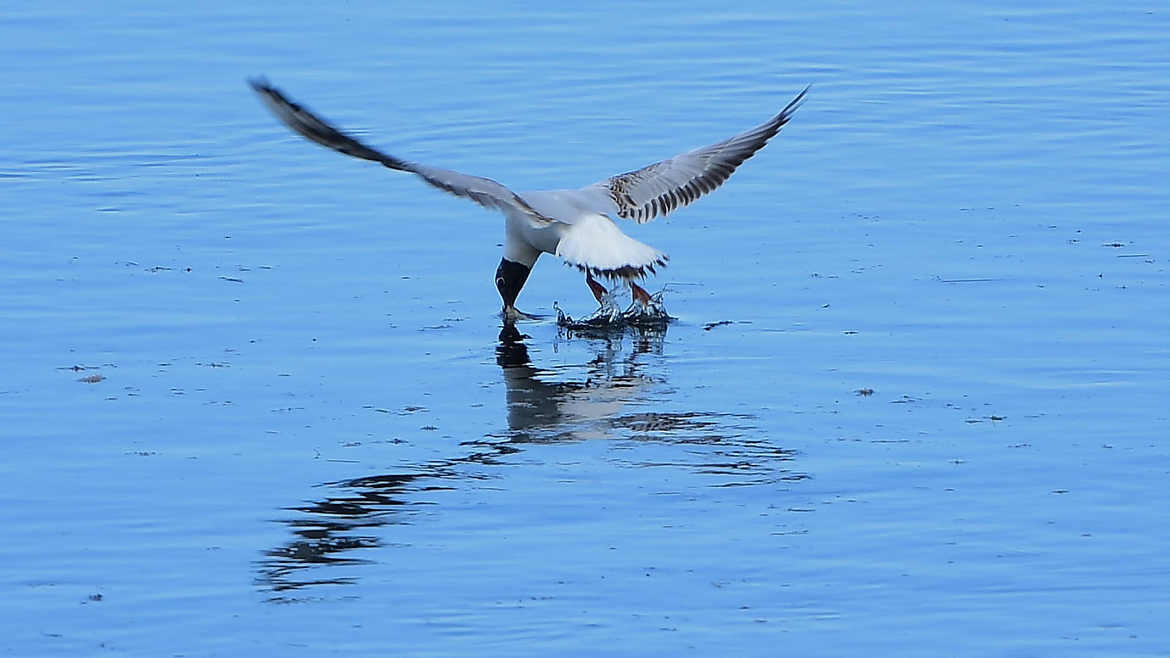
(647, 312)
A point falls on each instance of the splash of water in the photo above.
(608, 317)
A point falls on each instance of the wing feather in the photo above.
(484, 191)
(661, 187)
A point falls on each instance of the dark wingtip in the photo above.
(796, 102)
(259, 83)
(273, 97)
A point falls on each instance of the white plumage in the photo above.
(594, 243)
(573, 224)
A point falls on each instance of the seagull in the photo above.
(576, 225)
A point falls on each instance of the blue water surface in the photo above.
(256, 399)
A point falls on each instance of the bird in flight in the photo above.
(576, 225)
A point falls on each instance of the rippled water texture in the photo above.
(257, 397)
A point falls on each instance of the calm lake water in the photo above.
(257, 401)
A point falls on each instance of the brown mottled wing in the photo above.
(663, 186)
(484, 191)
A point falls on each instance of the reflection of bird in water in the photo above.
(543, 409)
(576, 225)
(606, 397)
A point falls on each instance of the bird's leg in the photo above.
(640, 296)
(599, 291)
(606, 311)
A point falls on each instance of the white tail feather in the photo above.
(596, 244)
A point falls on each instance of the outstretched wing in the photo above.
(484, 191)
(663, 186)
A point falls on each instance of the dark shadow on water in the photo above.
(606, 397)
